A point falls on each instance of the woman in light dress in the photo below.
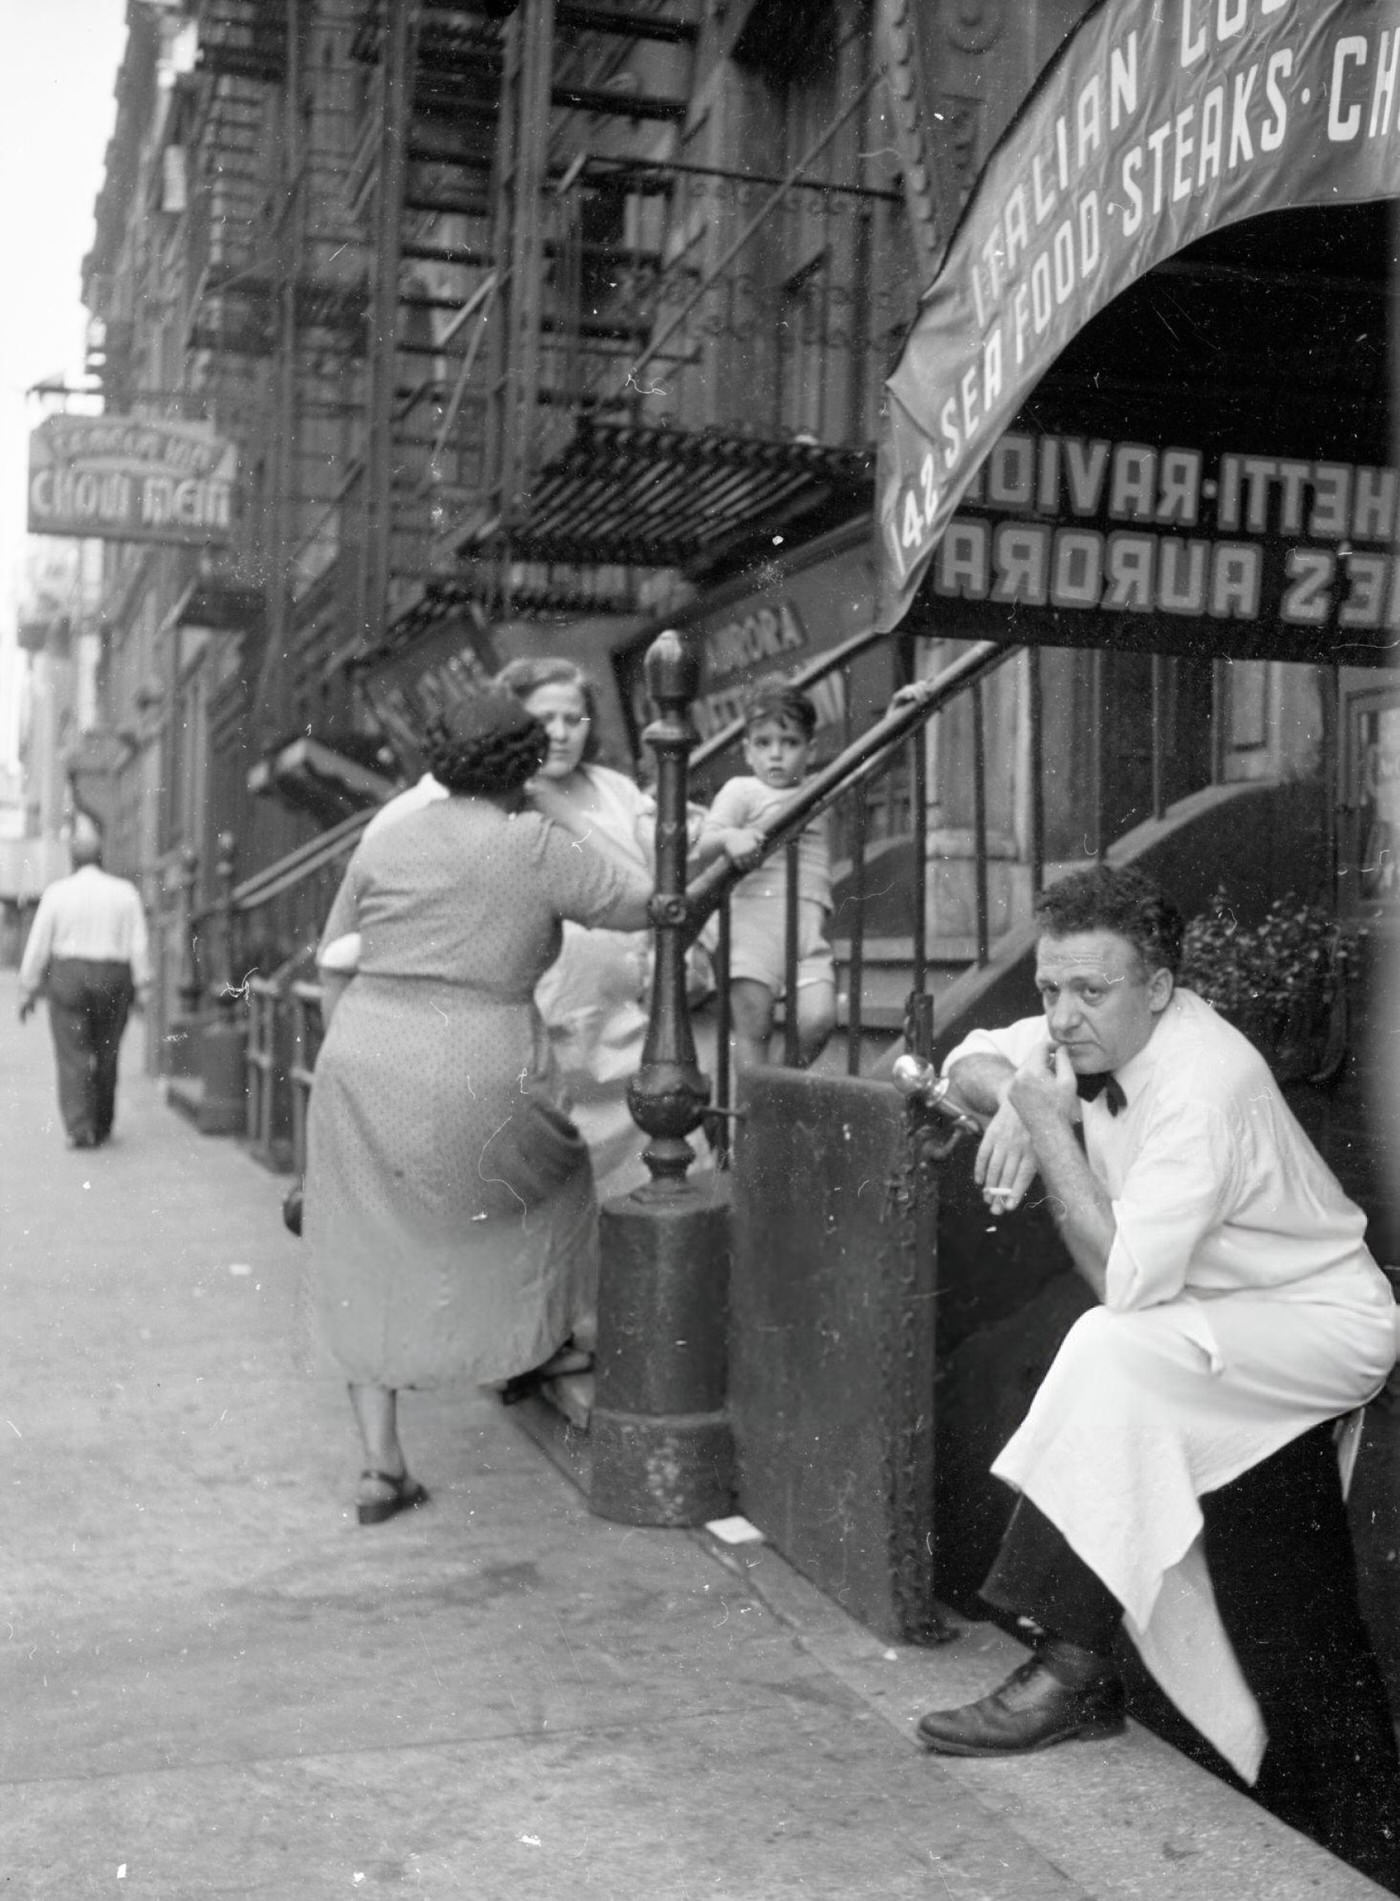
(450, 1218)
(593, 996)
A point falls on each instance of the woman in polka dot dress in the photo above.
(450, 1219)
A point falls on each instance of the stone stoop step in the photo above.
(189, 1097)
(185, 1095)
(1128, 1819)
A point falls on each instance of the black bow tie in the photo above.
(1104, 1084)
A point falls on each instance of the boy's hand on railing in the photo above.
(742, 845)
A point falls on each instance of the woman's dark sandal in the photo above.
(405, 1495)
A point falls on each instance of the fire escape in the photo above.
(638, 362)
(275, 336)
(224, 120)
(501, 325)
(422, 188)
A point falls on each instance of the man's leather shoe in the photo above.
(1031, 1710)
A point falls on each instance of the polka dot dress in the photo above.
(432, 1252)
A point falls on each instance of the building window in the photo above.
(787, 40)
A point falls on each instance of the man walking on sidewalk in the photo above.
(88, 954)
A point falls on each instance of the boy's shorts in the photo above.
(757, 931)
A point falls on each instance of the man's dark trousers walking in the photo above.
(89, 999)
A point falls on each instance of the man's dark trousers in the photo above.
(89, 999)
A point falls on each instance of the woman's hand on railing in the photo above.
(915, 693)
(704, 842)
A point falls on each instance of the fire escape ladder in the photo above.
(285, 229)
(399, 55)
(663, 333)
(276, 316)
(230, 327)
(244, 39)
(420, 190)
(572, 263)
(556, 428)
(518, 189)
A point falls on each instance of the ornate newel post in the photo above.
(668, 1095)
(223, 1108)
(225, 869)
(191, 989)
(661, 1445)
(182, 1049)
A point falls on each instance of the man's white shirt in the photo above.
(89, 914)
(1215, 1187)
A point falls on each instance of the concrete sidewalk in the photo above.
(217, 1684)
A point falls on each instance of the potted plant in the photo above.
(1283, 981)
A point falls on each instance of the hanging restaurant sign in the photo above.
(742, 633)
(1157, 122)
(762, 637)
(119, 478)
(418, 680)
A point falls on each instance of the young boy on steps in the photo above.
(780, 721)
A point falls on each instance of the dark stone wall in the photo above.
(1355, 1117)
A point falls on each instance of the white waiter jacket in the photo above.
(1242, 1307)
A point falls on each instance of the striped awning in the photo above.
(638, 496)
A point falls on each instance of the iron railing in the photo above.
(832, 679)
(307, 1030)
(895, 744)
(798, 283)
(875, 795)
(264, 999)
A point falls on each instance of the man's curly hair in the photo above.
(489, 765)
(1118, 899)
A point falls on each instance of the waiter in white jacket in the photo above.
(1178, 1469)
(88, 953)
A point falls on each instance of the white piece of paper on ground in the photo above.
(735, 1531)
